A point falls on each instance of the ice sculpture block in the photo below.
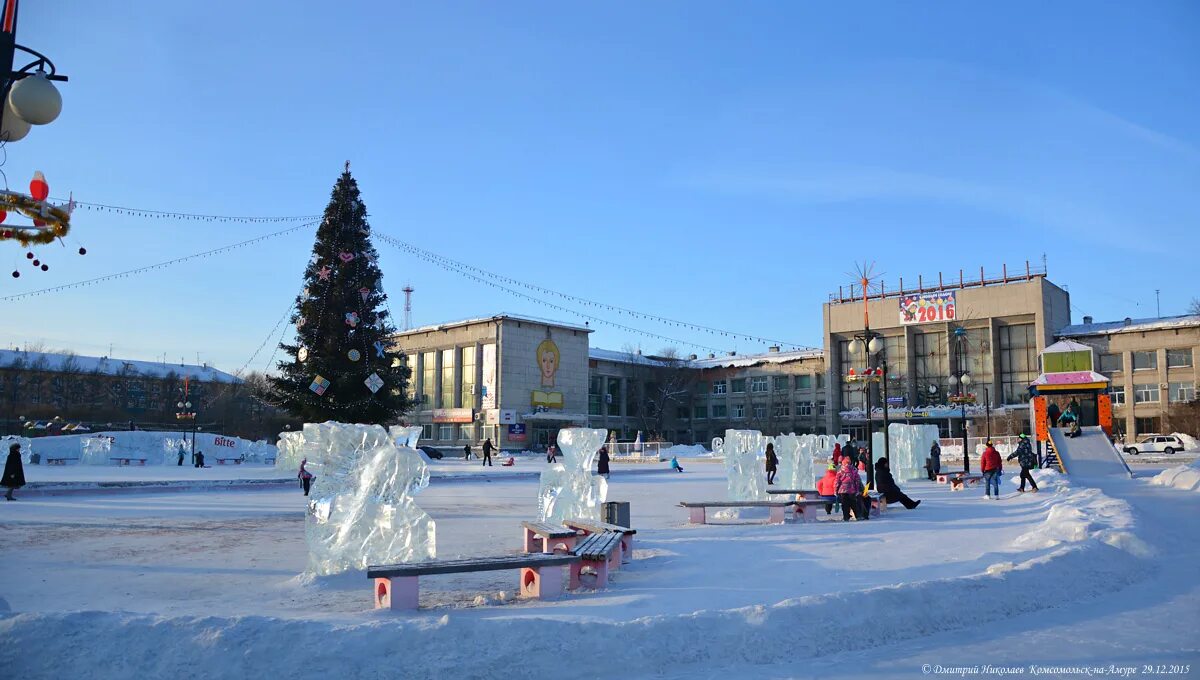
(361, 509)
(568, 489)
(910, 446)
(288, 456)
(171, 451)
(94, 450)
(744, 452)
(26, 446)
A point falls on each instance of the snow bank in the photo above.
(1189, 442)
(685, 451)
(1185, 477)
(1081, 514)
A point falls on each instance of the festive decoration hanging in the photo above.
(324, 273)
(353, 355)
(346, 258)
(319, 385)
(378, 349)
(374, 382)
(352, 319)
(302, 354)
(50, 221)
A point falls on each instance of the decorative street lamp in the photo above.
(30, 97)
(872, 344)
(962, 398)
(185, 412)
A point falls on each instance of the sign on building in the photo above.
(498, 416)
(516, 432)
(453, 415)
(488, 389)
(927, 307)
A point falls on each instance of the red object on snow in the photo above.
(509, 463)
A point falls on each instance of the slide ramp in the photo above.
(1091, 454)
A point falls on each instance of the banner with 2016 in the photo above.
(926, 307)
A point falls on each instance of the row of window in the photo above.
(444, 395)
(1148, 393)
(758, 411)
(764, 383)
(1148, 360)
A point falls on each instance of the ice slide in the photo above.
(1091, 454)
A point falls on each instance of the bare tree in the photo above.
(667, 382)
(1194, 308)
(1184, 417)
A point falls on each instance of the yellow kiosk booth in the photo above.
(1067, 388)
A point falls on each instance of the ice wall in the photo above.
(288, 457)
(95, 450)
(744, 452)
(26, 446)
(802, 458)
(361, 509)
(910, 446)
(568, 489)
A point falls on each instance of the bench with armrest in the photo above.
(59, 460)
(553, 538)
(235, 461)
(588, 526)
(602, 551)
(395, 585)
(121, 460)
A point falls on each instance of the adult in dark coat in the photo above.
(487, 451)
(772, 463)
(14, 472)
(1028, 460)
(602, 464)
(886, 485)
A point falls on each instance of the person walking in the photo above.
(991, 467)
(180, 463)
(305, 476)
(487, 452)
(935, 460)
(1027, 459)
(827, 488)
(552, 453)
(772, 463)
(837, 454)
(467, 452)
(849, 488)
(14, 472)
(885, 483)
(602, 464)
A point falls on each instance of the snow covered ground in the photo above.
(205, 585)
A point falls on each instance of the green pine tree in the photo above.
(342, 327)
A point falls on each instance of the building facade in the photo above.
(1151, 366)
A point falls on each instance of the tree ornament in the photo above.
(373, 382)
(319, 385)
(352, 319)
(378, 349)
(345, 257)
(364, 292)
(82, 250)
(45, 267)
(353, 355)
(28, 256)
(38, 187)
(324, 273)
(302, 354)
(16, 274)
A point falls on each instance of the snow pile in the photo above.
(1080, 514)
(685, 451)
(1185, 477)
(1189, 442)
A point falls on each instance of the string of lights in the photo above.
(176, 215)
(160, 265)
(460, 267)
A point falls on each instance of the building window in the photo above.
(977, 355)
(719, 387)
(1145, 394)
(931, 367)
(781, 383)
(1146, 425)
(468, 377)
(737, 385)
(804, 408)
(820, 380)
(466, 432)
(633, 402)
(720, 411)
(758, 384)
(739, 411)
(427, 431)
(613, 397)
(820, 408)
(428, 378)
(893, 353)
(1111, 363)
(702, 437)
(760, 412)
(700, 411)
(804, 382)
(1145, 360)
(447, 396)
(595, 396)
(1179, 358)
(445, 433)
(1117, 392)
(1018, 362)
(1181, 391)
(783, 410)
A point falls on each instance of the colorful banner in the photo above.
(488, 389)
(927, 308)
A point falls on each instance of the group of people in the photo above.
(843, 485)
(487, 452)
(993, 469)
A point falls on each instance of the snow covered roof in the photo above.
(495, 317)
(1067, 346)
(1134, 325)
(54, 362)
(725, 361)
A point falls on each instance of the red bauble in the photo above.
(852, 371)
(38, 188)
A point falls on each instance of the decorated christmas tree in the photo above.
(342, 366)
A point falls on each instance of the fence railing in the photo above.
(635, 450)
(952, 446)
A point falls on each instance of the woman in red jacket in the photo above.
(992, 468)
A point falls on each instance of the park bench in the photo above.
(601, 550)
(805, 509)
(235, 461)
(878, 502)
(946, 476)
(395, 585)
(800, 494)
(269, 460)
(961, 482)
(588, 526)
(121, 460)
(551, 536)
(696, 510)
(59, 460)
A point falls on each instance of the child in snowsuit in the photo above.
(849, 489)
(305, 476)
(827, 488)
(675, 464)
(1028, 460)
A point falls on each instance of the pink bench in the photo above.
(961, 482)
(547, 538)
(777, 509)
(395, 586)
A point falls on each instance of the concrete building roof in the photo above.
(54, 362)
(1131, 326)
(495, 317)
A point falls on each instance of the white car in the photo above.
(1156, 443)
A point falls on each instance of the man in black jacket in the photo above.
(487, 452)
(886, 484)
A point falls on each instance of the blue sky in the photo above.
(722, 163)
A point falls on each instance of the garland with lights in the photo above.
(50, 221)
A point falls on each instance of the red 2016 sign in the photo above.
(927, 308)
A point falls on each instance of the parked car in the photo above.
(433, 453)
(1156, 443)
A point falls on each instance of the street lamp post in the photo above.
(987, 406)
(963, 379)
(871, 344)
(185, 412)
(27, 95)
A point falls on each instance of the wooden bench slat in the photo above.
(806, 492)
(736, 504)
(598, 546)
(595, 526)
(548, 530)
(467, 565)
